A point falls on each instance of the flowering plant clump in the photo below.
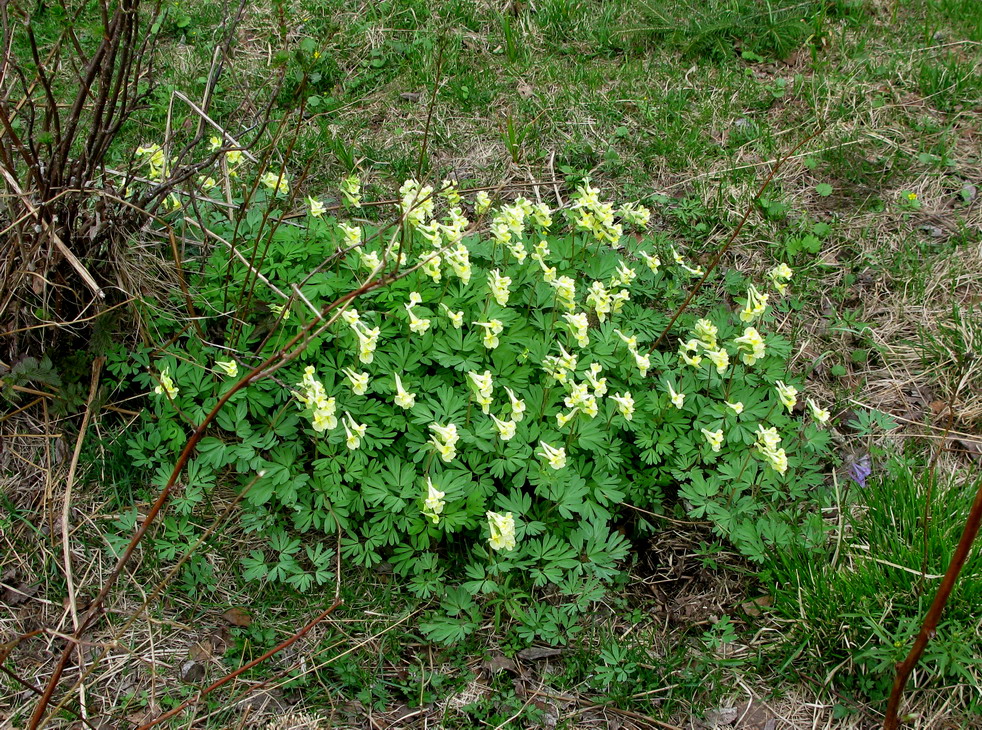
(497, 407)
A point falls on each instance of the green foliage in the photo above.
(863, 600)
(716, 30)
(557, 416)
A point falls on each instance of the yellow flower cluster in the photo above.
(780, 275)
(603, 301)
(590, 214)
(483, 386)
(352, 238)
(580, 400)
(558, 365)
(651, 260)
(456, 318)
(449, 192)
(506, 429)
(508, 225)
(714, 438)
(565, 292)
(416, 203)
(314, 397)
(431, 266)
(498, 285)
(433, 504)
(445, 440)
(678, 399)
(316, 207)
(351, 190)
(677, 257)
(460, 263)
(172, 203)
(579, 326)
(482, 203)
(354, 431)
(751, 345)
(403, 399)
(502, 531)
(787, 394)
(229, 367)
(517, 406)
(156, 160)
(819, 414)
(367, 339)
(768, 441)
(755, 307)
(625, 404)
(637, 215)
(705, 339)
(276, 181)
(359, 381)
(232, 157)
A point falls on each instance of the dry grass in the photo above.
(177, 638)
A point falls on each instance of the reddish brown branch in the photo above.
(284, 355)
(930, 625)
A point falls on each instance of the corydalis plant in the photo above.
(508, 373)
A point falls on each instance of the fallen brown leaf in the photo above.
(752, 608)
(534, 653)
(238, 616)
(499, 663)
(201, 651)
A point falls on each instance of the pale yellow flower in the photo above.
(563, 418)
(652, 261)
(502, 529)
(277, 182)
(819, 414)
(555, 457)
(780, 275)
(625, 404)
(355, 431)
(433, 503)
(579, 326)
(316, 207)
(482, 203)
(403, 398)
(351, 190)
(678, 399)
(499, 287)
(229, 367)
(166, 385)
(359, 381)
(491, 331)
(751, 344)
(506, 429)
(787, 394)
(720, 358)
(517, 406)
(714, 438)
(756, 305)
(456, 318)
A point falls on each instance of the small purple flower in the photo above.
(860, 469)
